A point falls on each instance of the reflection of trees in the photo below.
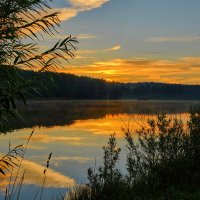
(60, 113)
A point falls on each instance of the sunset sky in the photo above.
(133, 40)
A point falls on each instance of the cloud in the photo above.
(73, 158)
(173, 39)
(34, 176)
(185, 70)
(4, 182)
(80, 160)
(83, 52)
(65, 14)
(78, 6)
(54, 179)
(93, 51)
(35, 147)
(45, 138)
(86, 36)
(84, 5)
(115, 48)
(191, 59)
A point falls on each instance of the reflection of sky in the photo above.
(74, 148)
(133, 40)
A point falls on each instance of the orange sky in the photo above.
(182, 70)
(131, 41)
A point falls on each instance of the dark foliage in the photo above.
(22, 23)
(162, 163)
(68, 86)
(106, 183)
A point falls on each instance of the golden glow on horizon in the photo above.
(185, 70)
(109, 80)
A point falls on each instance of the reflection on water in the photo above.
(61, 113)
(75, 132)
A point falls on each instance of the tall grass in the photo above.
(163, 162)
(12, 165)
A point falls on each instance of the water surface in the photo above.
(75, 131)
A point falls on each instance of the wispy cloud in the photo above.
(34, 176)
(73, 158)
(183, 70)
(173, 39)
(66, 13)
(83, 5)
(32, 147)
(58, 161)
(93, 51)
(115, 48)
(54, 179)
(191, 59)
(63, 36)
(78, 6)
(86, 36)
(86, 51)
(45, 138)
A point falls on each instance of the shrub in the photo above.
(163, 162)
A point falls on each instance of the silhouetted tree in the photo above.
(22, 22)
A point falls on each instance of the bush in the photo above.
(162, 163)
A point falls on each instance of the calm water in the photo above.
(75, 131)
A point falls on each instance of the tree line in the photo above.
(69, 86)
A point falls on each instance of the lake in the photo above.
(75, 131)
